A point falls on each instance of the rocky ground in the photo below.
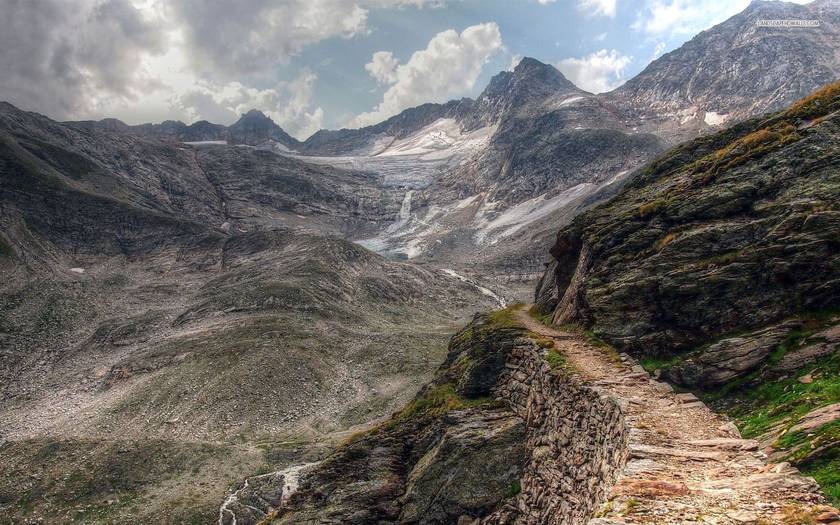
(281, 344)
(437, 460)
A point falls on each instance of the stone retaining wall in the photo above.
(577, 439)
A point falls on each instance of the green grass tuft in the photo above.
(514, 490)
(555, 359)
(827, 473)
(436, 401)
(544, 318)
(505, 318)
(651, 363)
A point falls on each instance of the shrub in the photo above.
(650, 208)
(818, 103)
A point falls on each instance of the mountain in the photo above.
(718, 267)
(186, 307)
(253, 128)
(491, 179)
(174, 318)
(62, 178)
(478, 171)
(736, 69)
(371, 140)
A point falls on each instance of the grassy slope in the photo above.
(760, 406)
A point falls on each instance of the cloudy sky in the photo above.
(313, 64)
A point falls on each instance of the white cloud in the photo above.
(449, 66)
(687, 17)
(598, 72)
(660, 48)
(74, 59)
(383, 67)
(226, 41)
(70, 59)
(598, 7)
(289, 104)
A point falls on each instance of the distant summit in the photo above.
(740, 68)
(255, 127)
(531, 82)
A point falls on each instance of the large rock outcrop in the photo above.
(729, 233)
(497, 437)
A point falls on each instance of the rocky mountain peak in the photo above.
(531, 69)
(255, 127)
(255, 115)
(740, 67)
(528, 85)
(254, 118)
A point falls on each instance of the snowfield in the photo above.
(414, 161)
(511, 220)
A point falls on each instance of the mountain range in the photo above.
(533, 148)
(185, 306)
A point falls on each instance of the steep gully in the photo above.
(288, 478)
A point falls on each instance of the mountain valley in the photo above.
(225, 324)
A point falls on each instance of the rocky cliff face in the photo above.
(734, 231)
(718, 266)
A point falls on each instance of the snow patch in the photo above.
(486, 291)
(713, 118)
(463, 203)
(687, 114)
(617, 177)
(77, 270)
(570, 100)
(440, 140)
(206, 143)
(515, 217)
(414, 161)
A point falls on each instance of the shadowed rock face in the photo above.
(728, 233)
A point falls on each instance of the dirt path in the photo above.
(687, 464)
